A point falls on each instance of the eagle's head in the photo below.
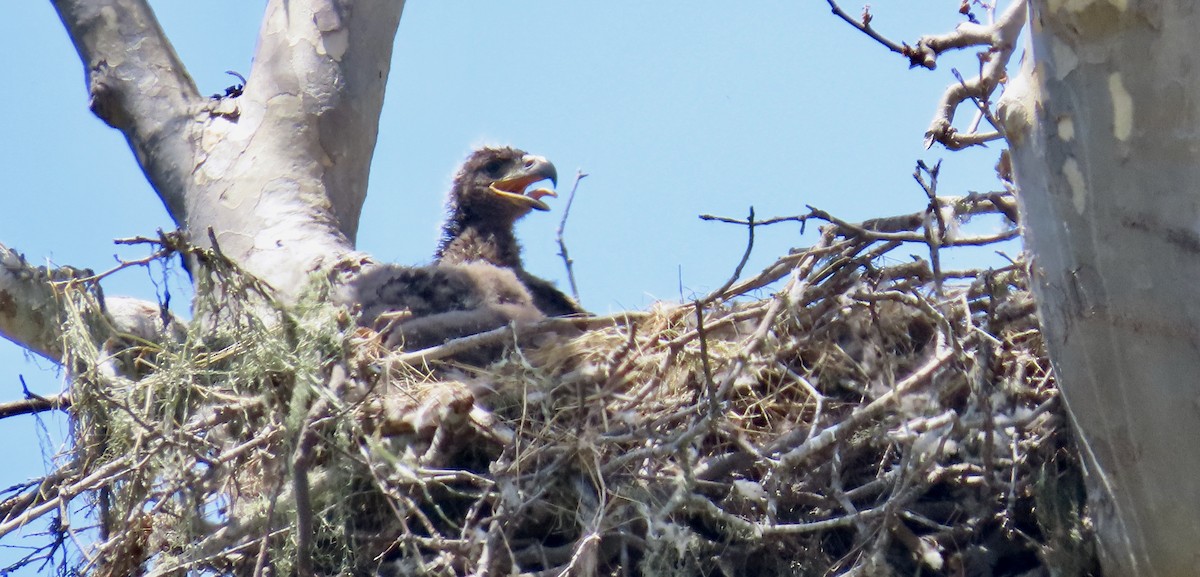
(495, 184)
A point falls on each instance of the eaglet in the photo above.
(487, 198)
(418, 307)
(477, 282)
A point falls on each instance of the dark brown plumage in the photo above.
(418, 307)
(477, 282)
(486, 200)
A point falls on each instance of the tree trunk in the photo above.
(1107, 155)
(276, 176)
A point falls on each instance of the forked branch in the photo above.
(999, 39)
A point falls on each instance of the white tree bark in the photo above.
(29, 312)
(1105, 135)
(279, 174)
(31, 309)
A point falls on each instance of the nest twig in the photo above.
(874, 415)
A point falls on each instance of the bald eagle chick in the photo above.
(419, 307)
(487, 198)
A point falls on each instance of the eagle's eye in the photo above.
(492, 168)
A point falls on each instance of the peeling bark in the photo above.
(139, 86)
(1107, 155)
(275, 177)
(278, 175)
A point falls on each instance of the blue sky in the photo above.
(674, 108)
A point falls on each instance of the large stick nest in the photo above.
(872, 416)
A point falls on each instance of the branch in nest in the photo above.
(505, 333)
(840, 431)
(67, 489)
(302, 460)
(32, 314)
(903, 228)
(35, 404)
(737, 272)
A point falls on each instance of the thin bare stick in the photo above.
(501, 334)
(562, 225)
(737, 272)
(774, 220)
(710, 390)
(934, 238)
(865, 26)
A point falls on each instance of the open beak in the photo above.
(533, 169)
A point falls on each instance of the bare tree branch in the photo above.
(321, 66)
(35, 404)
(562, 245)
(737, 272)
(865, 26)
(31, 308)
(1001, 39)
(934, 235)
(29, 311)
(139, 86)
(896, 229)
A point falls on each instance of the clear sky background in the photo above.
(674, 108)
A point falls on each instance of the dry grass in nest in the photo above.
(868, 418)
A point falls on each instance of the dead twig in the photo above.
(562, 225)
(865, 26)
(934, 236)
(737, 272)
